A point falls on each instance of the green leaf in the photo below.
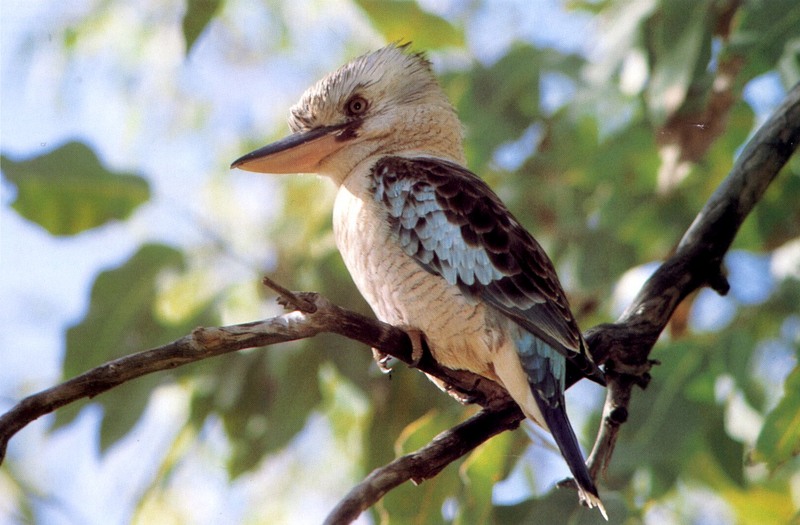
(779, 440)
(766, 33)
(484, 467)
(198, 14)
(67, 190)
(499, 102)
(679, 45)
(404, 21)
(276, 393)
(346, 406)
(121, 321)
(655, 441)
(776, 219)
(725, 451)
(429, 496)
(560, 506)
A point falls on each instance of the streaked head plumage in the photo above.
(383, 103)
(387, 78)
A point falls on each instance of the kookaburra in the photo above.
(429, 245)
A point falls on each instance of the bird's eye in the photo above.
(356, 105)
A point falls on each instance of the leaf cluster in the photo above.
(606, 157)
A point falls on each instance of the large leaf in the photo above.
(680, 48)
(779, 440)
(428, 497)
(484, 467)
(560, 506)
(198, 14)
(121, 321)
(263, 399)
(67, 190)
(405, 21)
(767, 33)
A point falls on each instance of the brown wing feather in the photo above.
(455, 226)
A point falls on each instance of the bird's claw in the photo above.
(382, 360)
(465, 397)
(418, 344)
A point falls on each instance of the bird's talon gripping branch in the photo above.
(418, 345)
(465, 397)
(382, 359)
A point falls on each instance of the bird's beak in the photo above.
(300, 152)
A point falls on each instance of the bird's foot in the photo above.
(418, 344)
(463, 394)
(465, 397)
(382, 360)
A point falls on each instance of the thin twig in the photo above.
(287, 297)
(624, 346)
(204, 343)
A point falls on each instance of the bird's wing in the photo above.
(454, 226)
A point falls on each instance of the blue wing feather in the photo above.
(453, 225)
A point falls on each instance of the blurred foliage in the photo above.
(779, 439)
(597, 182)
(67, 190)
(122, 320)
(405, 21)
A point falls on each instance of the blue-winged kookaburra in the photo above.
(429, 245)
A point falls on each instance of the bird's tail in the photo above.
(533, 373)
(556, 418)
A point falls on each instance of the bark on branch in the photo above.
(203, 343)
(697, 262)
(623, 346)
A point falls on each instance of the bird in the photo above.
(429, 245)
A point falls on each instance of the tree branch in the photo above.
(697, 262)
(426, 462)
(623, 346)
(203, 343)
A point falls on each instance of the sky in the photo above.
(127, 89)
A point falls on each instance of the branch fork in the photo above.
(623, 346)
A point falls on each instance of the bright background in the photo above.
(116, 76)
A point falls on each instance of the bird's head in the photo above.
(384, 103)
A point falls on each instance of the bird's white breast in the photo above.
(399, 290)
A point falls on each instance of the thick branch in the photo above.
(623, 346)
